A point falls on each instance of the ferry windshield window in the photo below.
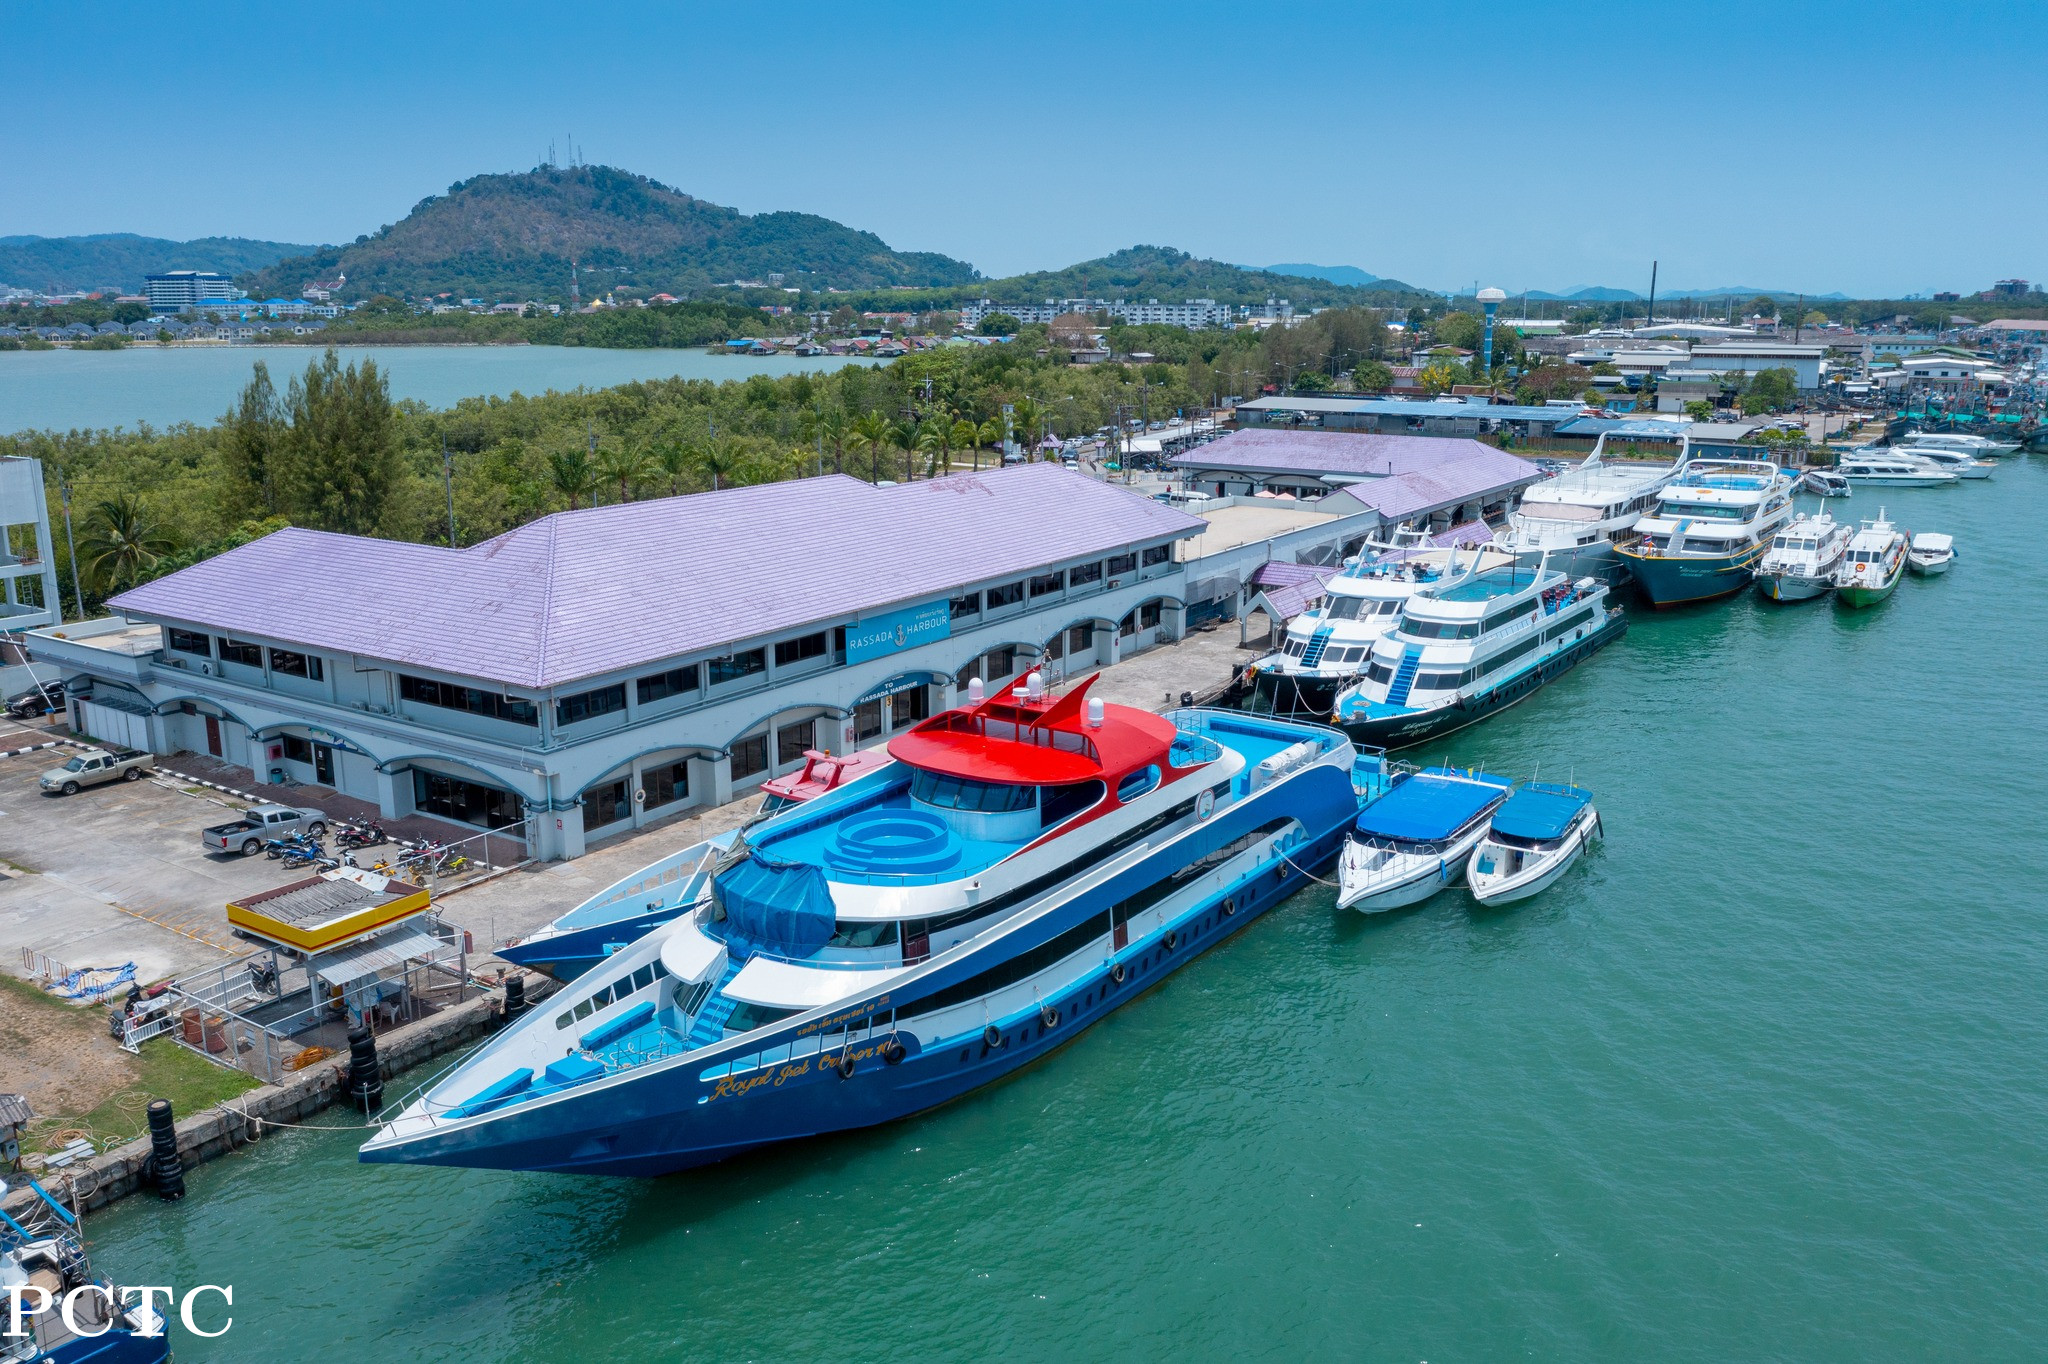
(1345, 608)
(1071, 799)
(958, 793)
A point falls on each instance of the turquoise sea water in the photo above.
(1762, 1078)
(62, 389)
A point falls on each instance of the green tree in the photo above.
(250, 435)
(1439, 377)
(672, 459)
(338, 464)
(835, 426)
(122, 539)
(1371, 376)
(718, 463)
(991, 436)
(873, 434)
(1027, 421)
(1463, 330)
(624, 465)
(1763, 306)
(571, 474)
(1769, 390)
(967, 436)
(1311, 382)
(999, 324)
(1700, 410)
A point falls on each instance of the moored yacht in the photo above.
(1414, 840)
(1027, 864)
(1327, 648)
(1939, 457)
(1575, 518)
(1472, 645)
(1931, 553)
(1874, 564)
(1712, 523)
(1969, 444)
(1532, 840)
(1891, 470)
(1803, 557)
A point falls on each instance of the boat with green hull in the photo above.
(1874, 564)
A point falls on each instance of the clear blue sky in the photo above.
(1874, 148)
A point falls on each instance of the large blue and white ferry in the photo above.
(1027, 864)
(1713, 522)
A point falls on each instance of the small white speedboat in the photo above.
(1931, 553)
(1534, 837)
(1824, 483)
(1415, 840)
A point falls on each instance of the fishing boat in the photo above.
(1414, 840)
(1712, 523)
(1931, 553)
(1574, 519)
(1892, 471)
(1874, 564)
(1803, 557)
(42, 1266)
(1028, 863)
(1944, 460)
(1326, 648)
(1472, 645)
(1538, 833)
(1825, 483)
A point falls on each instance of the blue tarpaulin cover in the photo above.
(785, 905)
(1540, 810)
(1430, 805)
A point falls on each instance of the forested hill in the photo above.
(1170, 276)
(62, 264)
(508, 237)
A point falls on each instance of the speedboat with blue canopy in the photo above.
(1533, 838)
(1028, 863)
(1413, 841)
(53, 1310)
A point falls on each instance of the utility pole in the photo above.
(77, 592)
(448, 481)
(1651, 321)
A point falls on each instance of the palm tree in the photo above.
(672, 459)
(966, 436)
(570, 473)
(1028, 417)
(718, 462)
(991, 434)
(873, 434)
(121, 540)
(836, 427)
(626, 464)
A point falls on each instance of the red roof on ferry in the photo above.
(1036, 743)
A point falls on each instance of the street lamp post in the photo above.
(70, 548)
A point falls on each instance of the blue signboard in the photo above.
(902, 629)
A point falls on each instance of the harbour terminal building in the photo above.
(597, 670)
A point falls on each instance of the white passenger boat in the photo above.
(1803, 557)
(1328, 647)
(1891, 471)
(1931, 553)
(1979, 446)
(1825, 483)
(1574, 519)
(1874, 564)
(1414, 840)
(1711, 526)
(1532, 839)
(1027, 864)
(1945, 460)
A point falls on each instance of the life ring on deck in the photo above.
(992, 1037)
(892, 1052)
(1169, 940)
(1048, 1015)
(844, 1065)
(1116, 972)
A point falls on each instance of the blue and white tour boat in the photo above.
(1712, 523)
(1027, 864)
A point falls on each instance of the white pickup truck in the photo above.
(93, 766)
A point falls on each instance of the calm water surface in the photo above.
(62, 389)
(1762, 1078)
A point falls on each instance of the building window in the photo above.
(1128, 626)
(1148, 615)
(248, 655)
(674, 682)
(606, 803)
(906, 708)
(295, 665)
(475, 700)
(296, 750)
(190, 642)
(1009, 594)
(1158, 554)
(465, 801)
(790, 651)
(743, 664)
(1081, 637)
(1083, 574)
(969, 605)
(666, 784)
(1055, 648)
(792, 740)
(999, 663)
(750, 756)
(1045, 584)
(1122, 563)
(588, 705)
(867, 720)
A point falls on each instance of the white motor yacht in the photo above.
(1931, 553)
(1948, 461)
(1892, 471)
(1803, 558)
(1960, 440)
(1583, 511)
(1824, 483)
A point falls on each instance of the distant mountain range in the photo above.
(1585, 293)
(515, 236)
(64, 264)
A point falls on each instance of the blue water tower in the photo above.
(1489, 299)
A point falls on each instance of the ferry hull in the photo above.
(1419, 727)
(1286, 697)
(1791, 586)
(1587, 561)
(1678, 581)
(673, 1119)
(1859, 597)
